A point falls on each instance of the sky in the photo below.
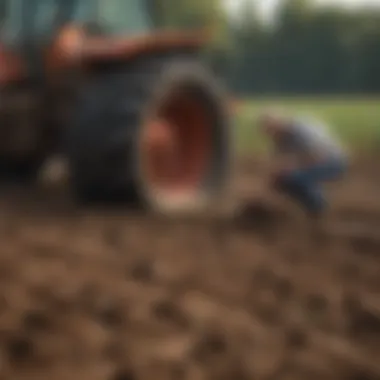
(267, 6)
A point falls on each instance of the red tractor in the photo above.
(129, 104)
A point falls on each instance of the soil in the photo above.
(117, 295)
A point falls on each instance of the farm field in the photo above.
(106, 294)
(355, 120)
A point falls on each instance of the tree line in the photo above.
(305, 50)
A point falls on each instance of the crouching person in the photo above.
(306, 156)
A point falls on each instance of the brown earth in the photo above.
(114, 295)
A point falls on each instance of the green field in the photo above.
(356, 121)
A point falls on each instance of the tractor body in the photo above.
(128, 104)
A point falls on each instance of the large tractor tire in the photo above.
(23, 171)
(24, 136)
(156, 132)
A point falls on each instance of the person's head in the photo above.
(272, 122)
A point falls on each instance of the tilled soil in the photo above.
(116, 295)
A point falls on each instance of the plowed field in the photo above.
(105, 294)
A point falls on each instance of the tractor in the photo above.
(128, 104)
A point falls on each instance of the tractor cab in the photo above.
(29, 27)
(36, 21)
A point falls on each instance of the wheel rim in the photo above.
(177, 145)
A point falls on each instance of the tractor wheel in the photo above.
(25, 135)
(155, 132)
(23, 172)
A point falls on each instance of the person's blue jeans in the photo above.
(304, 185)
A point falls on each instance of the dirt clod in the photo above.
(296, 338)
(316, 304)
(124, 374)
(36, 321)
(168, 311)
(19, 348)
(142, 271)
(211, 344)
